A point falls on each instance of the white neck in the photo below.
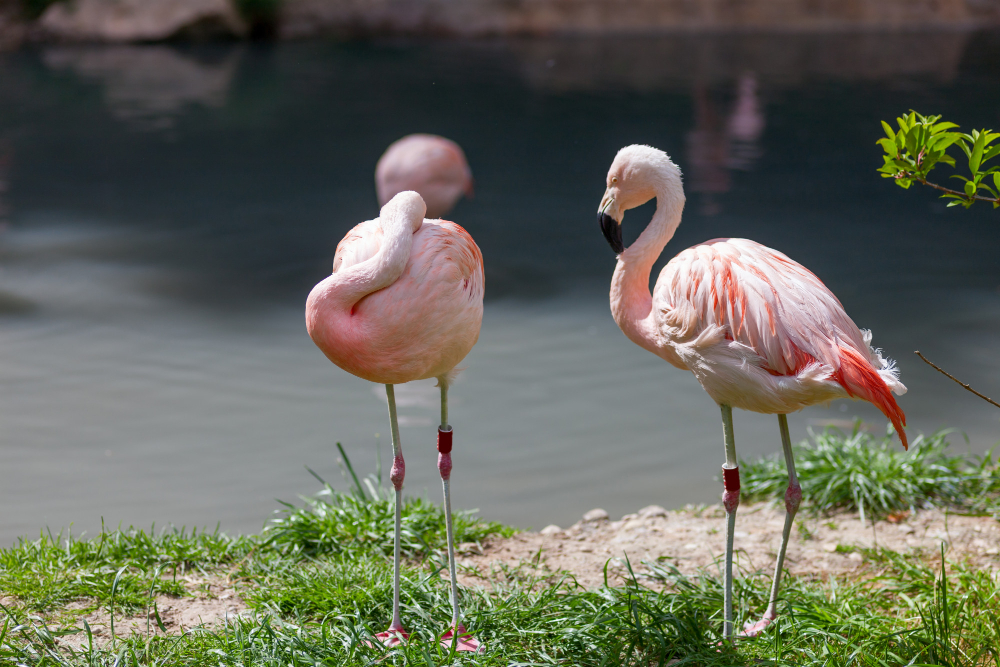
(399, 221)
(631, 300)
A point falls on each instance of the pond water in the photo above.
(166, 209)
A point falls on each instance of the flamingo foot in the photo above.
(392, 637)
(754, 629)
(466, 642)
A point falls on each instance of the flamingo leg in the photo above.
(730, 500)
(395, 635)
(456, 634)
(793, 496)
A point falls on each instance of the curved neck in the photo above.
(350, 285)
(631, 300)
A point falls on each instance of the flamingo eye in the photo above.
(614, 179)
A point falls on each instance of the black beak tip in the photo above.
(612, 232)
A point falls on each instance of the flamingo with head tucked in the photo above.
(430, 165)
(758, 330)
(405, 302)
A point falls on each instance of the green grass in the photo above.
(319, 582)
(876, 477)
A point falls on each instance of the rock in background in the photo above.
(300, 18)
(140, 20)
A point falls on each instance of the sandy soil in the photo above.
(694, 538)
(213, 601)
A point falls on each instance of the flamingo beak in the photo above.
(611, 228)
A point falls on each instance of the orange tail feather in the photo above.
(860, 379)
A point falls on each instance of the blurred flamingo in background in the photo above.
(758, 330)
(432, 166)
(405, 302)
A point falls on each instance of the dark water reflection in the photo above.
(166, 209)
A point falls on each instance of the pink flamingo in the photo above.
(757, 330)
(405, 302)
(430, 165)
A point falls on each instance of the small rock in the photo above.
(551, 529)
(630, 517)
(596, 514)
(652, 510)
(856, 556)
(906, 529)
(469, 548)
(587, 549)
(993, 552)
(830, 547)
(691, 546)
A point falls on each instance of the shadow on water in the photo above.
(180, 193)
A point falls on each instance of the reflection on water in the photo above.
(147, 85)
(169, 208)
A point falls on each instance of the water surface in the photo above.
(166, 209)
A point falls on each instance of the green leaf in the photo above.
(976, 158)
(970, 188)
(940, 127)
(996, 179)
(990, 154)
(888, 145)
(888, 131)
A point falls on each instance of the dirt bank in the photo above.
(694, 538)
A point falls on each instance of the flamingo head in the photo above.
(637, 174)
(407, 205)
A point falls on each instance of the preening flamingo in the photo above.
(430, 165)
(758, 330)
(405, 302)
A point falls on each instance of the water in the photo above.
(166, 209)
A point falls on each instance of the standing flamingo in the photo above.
(430, 165)
(758, 330)
(405, 302)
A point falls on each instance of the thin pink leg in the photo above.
(456, 634)
(793, 497)
(395, 634)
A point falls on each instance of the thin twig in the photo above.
(962, 194)
(928, 361)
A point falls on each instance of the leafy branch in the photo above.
(922, 142)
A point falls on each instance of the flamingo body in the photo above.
(430, 165)
(420, 326)
(761, 332)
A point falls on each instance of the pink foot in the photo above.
(466, 642)
(754, 629)
(392, 637)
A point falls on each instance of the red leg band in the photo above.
(444, 440)
(731, 479)
(444, 455)
(731, 483)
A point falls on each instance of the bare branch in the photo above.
(964, 195)
(928, 361)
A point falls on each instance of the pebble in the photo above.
(651, 511)
(551, 529)
(830, 546)
(906, 529)
(596, 514)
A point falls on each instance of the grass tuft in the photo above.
(875, 477)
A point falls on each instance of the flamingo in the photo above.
(404, 302)
(430, 165)
(758, 331)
